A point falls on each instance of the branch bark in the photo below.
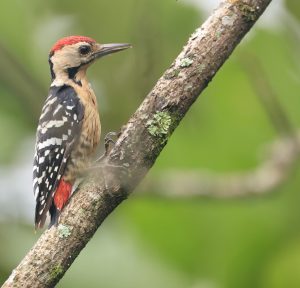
(139, 144)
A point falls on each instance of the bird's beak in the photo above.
(105, 49)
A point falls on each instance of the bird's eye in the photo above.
(85, 49)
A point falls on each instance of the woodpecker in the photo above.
(69, 127)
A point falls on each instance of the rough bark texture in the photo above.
(139, 144)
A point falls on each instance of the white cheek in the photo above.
(74, 58)
(65, 59)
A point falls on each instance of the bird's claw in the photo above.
(109, 143)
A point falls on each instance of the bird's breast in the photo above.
(89, 138)
(91, 127)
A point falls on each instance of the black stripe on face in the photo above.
(72, 73)
(51, 68)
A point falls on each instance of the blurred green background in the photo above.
(153, 240)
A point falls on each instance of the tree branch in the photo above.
(139, 144)
(281, 157)
(267, 96)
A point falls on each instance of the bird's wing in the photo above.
(59, 128)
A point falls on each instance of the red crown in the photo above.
(69, 41)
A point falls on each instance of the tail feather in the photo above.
(54, 215)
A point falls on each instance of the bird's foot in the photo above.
(104, 165)
(109, 143)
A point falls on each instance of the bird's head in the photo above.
(74, 54)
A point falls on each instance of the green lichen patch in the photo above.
(219, 33)
(247, 11)
(64, 231)
(82, 211)
(201, 67)
(188, 87)
(172, 74)
(56, 271)
(228, 20)
(160, 123)
(186, 62)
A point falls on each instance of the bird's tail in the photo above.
(54, 214)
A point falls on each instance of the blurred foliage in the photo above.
(153, 242)
(293, 7)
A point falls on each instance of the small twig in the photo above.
(267, 96)
(20, 82)
(281, 156)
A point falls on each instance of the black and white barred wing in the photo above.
(59, 128)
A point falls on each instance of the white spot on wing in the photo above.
(48, 142)
(59, 106)
(41, 178)
(41, 160)
(53, 123)
(47, 106)
(36, 192)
